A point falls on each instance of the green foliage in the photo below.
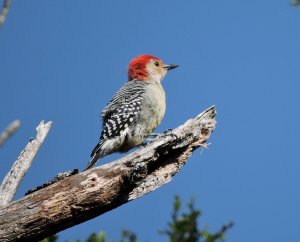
(128, 236)
(51, 238)
(96, 238)
(182, 228)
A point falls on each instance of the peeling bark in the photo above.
(83, 196)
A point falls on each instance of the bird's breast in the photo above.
(152, 111)
(155, 105)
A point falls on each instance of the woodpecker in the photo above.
(135, 110)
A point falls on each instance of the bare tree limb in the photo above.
(4, 12)
(13, 178)
(83, 196)
(295, 3)
(9, 131)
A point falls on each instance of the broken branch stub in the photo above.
(83, 196)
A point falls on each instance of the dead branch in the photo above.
(83, 196)
(4, 12)
(9, 131)
(13, 178)
(295, 3)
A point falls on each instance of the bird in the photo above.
(135, 110)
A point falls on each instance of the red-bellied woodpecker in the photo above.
(135, 110)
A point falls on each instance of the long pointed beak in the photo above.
(170, 67)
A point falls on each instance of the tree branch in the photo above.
(13, 178)
(4, 12)
(83, 196)
(295, 3)
(9, 131)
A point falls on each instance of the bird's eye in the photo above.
(156, 63)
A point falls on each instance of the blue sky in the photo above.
(62, 61)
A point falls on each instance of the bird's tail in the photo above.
(92, 162)
(96, 155)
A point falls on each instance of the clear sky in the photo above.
(63, 60)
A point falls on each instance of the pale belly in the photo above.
(154, 108)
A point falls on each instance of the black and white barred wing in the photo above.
(121, 112)
(128, 93)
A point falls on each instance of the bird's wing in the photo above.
(121, 110)
(128, 92)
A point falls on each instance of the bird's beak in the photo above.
(170, 67)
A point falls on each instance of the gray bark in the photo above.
(83, 196)
(9, 131)
(4, 11)
(18, 170)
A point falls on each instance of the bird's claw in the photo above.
(168, 131)
(158, 135)
(144, 144)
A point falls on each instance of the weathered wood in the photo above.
(18, 170)
(4, 11)
(86, 195)
(9, 131)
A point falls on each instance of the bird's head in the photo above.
(148, 67)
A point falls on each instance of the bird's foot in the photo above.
(153, 137)
(158, 135)
(168, 131)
